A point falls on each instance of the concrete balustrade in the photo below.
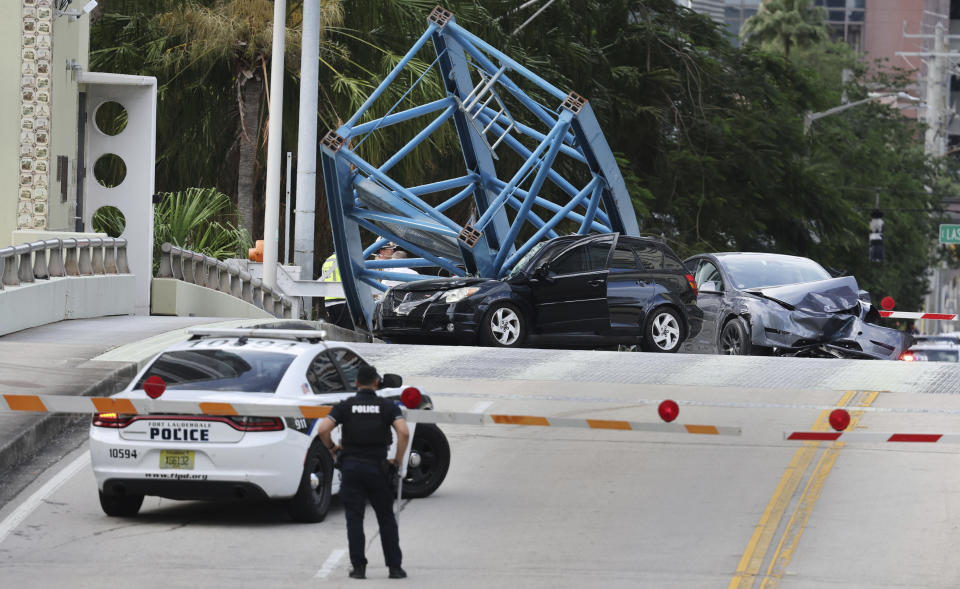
(202, 270)
(40, 260)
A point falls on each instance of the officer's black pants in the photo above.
(363, 481)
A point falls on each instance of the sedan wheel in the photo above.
(663, 332)
(734, 339)
(504, 326)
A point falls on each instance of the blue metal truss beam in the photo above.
(345, 128)
(406, 115)
(550, 224)
(397, 189)
(417, 139)
(410, 247)
(558, 180)
(477, 158)
(595, 225)
(359, 213)
(556, 138)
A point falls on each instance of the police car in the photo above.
(180, 456)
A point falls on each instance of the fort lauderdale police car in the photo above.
(205, 457)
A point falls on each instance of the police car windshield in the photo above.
(246, 371)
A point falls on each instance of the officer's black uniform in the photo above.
(366, 420)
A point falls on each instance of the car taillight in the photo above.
(411, 397)
(908, 357)
(692, 283)
(111, 420)
(256, 424)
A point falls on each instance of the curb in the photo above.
(42, 429)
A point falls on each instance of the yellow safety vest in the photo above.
(334, 276)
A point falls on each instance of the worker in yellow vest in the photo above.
(335, 308)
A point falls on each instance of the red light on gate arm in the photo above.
(887, 303)
(668, 410)
(692, 283)
(839, 419)
(411, 397)
(154, 386)
(908, 357)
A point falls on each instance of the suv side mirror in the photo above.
(391, 381)
(543, 272)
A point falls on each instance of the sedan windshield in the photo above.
(521, 266)
(246, 371)
(758, 271)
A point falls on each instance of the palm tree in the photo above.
(786, 24)
(238, 33)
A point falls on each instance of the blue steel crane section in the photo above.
(489, 109)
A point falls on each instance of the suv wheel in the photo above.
(664, 332)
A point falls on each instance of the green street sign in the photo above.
(949, 233)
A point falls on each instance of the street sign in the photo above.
(949, 233)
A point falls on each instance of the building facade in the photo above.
(39, 124)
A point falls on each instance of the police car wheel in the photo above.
(429, 462)
(312, 501)
(120, 505)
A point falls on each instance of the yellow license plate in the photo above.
(178, 459)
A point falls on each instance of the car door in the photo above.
(629, 290)
(571, 295)
(710, 300)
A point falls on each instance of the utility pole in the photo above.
(935, 140)
(937, 84)
(271, 216)
(307, 142)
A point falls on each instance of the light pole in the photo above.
(810, 117)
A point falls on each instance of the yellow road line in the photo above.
(808, 500)
(759, 543)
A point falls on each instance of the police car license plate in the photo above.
(178, 459)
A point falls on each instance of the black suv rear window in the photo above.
(246, 371)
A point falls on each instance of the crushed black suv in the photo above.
(574, 290)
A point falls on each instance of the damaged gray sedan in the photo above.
(772, 304)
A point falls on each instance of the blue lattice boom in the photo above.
(480, 83)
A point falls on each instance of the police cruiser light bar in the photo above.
(311, 335)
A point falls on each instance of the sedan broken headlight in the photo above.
(458, 294)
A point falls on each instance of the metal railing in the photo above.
(51, 258)
(196, 268)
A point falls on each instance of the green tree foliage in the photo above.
(709, 136)
(785, 24)
(203, 220)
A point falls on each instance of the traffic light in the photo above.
(876, 235)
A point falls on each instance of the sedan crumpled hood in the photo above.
(438, 284)
(823, 296)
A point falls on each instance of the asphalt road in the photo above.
(551, 507)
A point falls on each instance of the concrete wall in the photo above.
(71, 42)
(72, 297)
(175, 297)
(9, 120)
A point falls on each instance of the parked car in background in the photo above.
(573, 290)
(940, 338)
(759, 303)
(933, 351)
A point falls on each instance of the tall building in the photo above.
(712, 8)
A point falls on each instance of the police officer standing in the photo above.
(366, 420)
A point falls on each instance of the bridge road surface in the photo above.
(551, 507)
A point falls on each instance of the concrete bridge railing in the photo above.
(202, 270)
(40, 260)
